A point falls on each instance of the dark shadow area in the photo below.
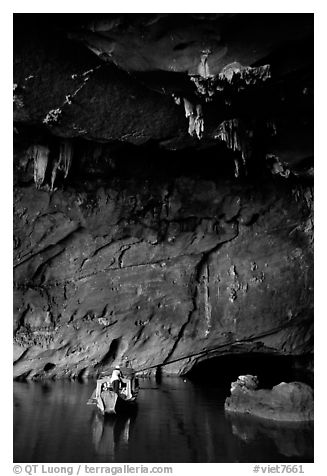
(49, 366)
(292, 440)
(270, 369)
(110, 355)
(96, 164)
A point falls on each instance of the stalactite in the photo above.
(188, 106)
(230, 133)
(203, 68)
(199, 122)
(65, 157)
(40, 155)
(54, 174)
(237, 168)
(195, 117)
(64, 161)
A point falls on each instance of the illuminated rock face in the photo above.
(284, 402)
(150, 272)
(160, 212)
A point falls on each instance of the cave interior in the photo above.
(163, 194)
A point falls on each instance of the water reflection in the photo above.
(291, 439)
(176, 421)
(111, 434)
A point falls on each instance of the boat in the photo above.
(111, 403)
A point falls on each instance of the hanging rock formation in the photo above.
(40, 156)
(63, 163)
(194, 114)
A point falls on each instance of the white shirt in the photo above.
(116, 374)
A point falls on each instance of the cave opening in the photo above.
(49, 366)
(271, 369)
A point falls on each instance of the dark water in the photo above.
(175, 422)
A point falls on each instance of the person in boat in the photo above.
(116, 379)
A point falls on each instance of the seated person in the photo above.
(116, 379)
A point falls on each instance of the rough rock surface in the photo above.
(140, 94)
(284, 402)
(153, 271)
(171, 212)
(197, 44)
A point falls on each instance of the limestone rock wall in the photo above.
(149, 271)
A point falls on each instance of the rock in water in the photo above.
(249, 382)
(285, 402)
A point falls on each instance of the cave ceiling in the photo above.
(179, 80)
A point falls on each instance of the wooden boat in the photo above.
(109, 402)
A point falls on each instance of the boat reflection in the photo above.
(111, 433)
(292, 439)
(176, 421)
